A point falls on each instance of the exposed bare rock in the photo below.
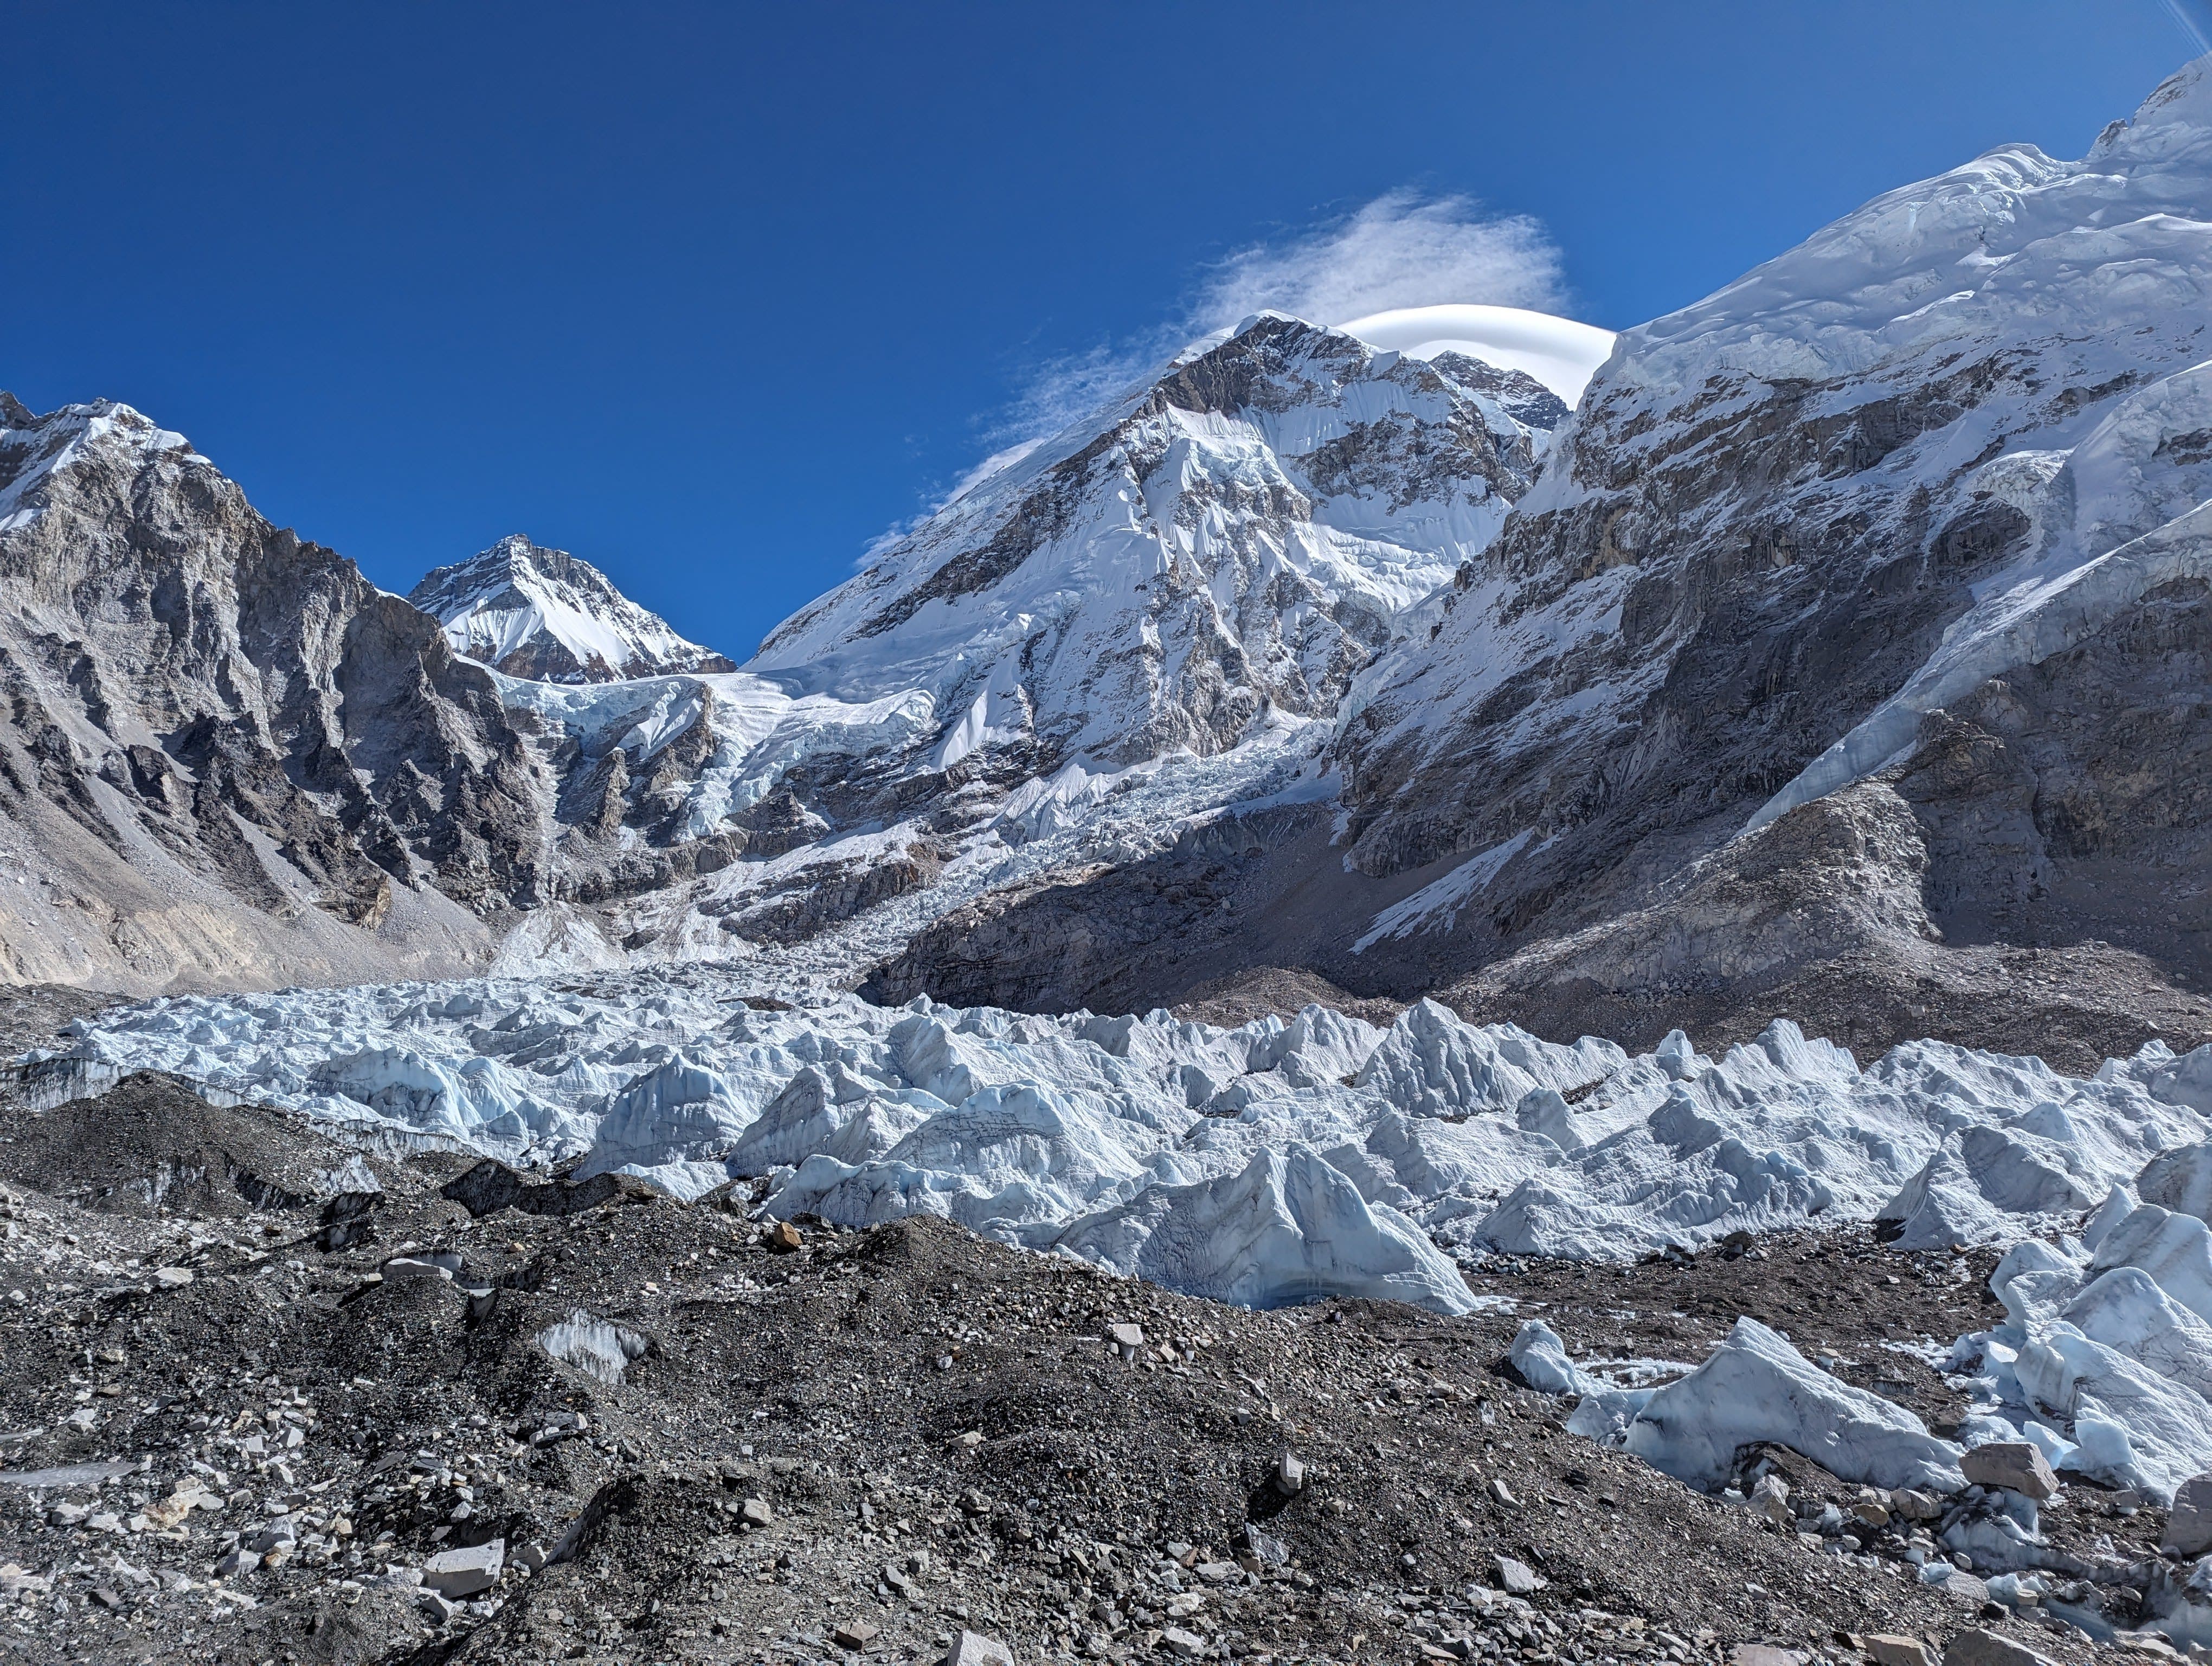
(226, 757)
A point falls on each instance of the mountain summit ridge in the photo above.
(529, 611)
(1850, 621)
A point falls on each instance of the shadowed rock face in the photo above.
(205, 712)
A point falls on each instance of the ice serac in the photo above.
(1266, 1163)
(1755, 1387)
(547, 615)
(1289, 1228)
(1919, 499)
(228, 759)
(2105, 1355)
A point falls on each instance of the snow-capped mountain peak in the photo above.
(543, 614)
(1233, 539)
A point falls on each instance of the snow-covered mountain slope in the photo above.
(1267, 1163)
(1194, 576)
(1958, 436)
(543, 614)
(227, 758)
(1172, 589)
(1233, 539)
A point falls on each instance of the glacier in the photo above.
(1268, 1163)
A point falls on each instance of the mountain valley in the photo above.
(1369, 1006)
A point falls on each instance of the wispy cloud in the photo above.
(1402, 250)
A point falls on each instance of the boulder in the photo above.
(1892, 1649)
(458, 1573)
(974, 1648)
(2012, 1464)
(2189, 1528)
(1976, 1647)
(1516, 1578)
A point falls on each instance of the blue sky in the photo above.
(714, 294)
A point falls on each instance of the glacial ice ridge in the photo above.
(1269, 1163)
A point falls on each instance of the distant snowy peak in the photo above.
(542, 614)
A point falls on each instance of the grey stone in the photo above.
(1966, 1589)
(1267, 1547)
(1187, 1644)
(465, 1572)
(1502, 1493)
(2012, 1464)
(2189, 1527)
(853, 1635)
(400, 1268)
(1894, 1649)
(1977, 1647)
(435, 1608)
(974, 1648)
(1915, 1505)
(1290, 1473)
(755, 1513)
(1765, 1654)
(1516, 1578)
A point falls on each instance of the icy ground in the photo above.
(1262, 1164)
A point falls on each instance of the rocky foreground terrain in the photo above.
(275, 1398)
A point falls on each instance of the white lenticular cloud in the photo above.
(1401, 250)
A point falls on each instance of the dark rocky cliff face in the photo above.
(223, 714)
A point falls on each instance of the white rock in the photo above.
(458, 1573)
(974, 1648)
